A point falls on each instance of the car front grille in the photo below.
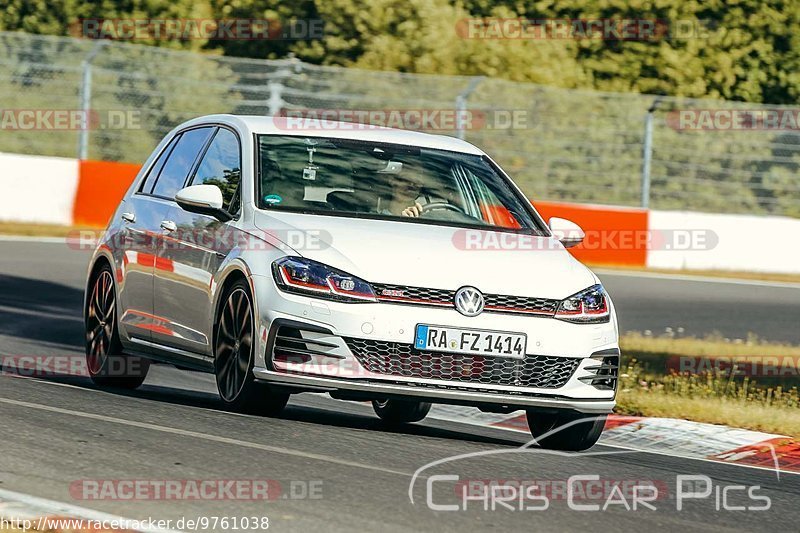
(520, 304)
(418, 295)
(402, 360)
(498, 303)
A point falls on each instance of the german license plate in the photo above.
(470, 341)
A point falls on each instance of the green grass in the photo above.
(710, 345)
(41, 230)
(651, 387)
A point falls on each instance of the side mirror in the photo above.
(203, 199)
(569, 233)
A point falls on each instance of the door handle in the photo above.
(168, 225)
(129, 217)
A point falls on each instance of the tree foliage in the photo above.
(747, 50)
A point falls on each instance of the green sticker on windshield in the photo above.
(273, 199)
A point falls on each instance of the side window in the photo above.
(222, 166)
(491, 209)
(180, 162)
(155, 170)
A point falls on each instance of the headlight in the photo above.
(304, 276)
(587, 306)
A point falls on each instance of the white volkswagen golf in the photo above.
(369, 263)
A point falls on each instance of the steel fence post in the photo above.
(86, 99)
(275, 103)
(461, 104)
(647, 152)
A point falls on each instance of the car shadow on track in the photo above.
(304, 409)
(351, 420)
(41, 311)
(313, 414)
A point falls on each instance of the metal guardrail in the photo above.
(574, 145)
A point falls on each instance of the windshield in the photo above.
(385, 181)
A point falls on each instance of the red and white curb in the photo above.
(663, 436)
(28, 513)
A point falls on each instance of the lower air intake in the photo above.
(402, 360)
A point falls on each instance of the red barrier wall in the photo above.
(614, 235)
(101, 186)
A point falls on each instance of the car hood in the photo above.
(431, 256)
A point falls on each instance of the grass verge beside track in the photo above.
(41, 230)
(741, 383)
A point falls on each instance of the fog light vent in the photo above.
(604, 370)
(291, 347)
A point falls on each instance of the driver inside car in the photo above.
(411, 198)
(405, 197)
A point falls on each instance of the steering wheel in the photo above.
(434, 206)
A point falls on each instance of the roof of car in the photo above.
(338, 130)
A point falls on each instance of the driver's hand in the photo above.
(413, 211)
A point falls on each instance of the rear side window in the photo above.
(180, 162)
(222, 166)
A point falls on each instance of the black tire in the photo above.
(105, 362)
(576, 436)
(234, 351)
(400, 411)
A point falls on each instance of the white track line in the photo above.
(205, 436)
(66, 511)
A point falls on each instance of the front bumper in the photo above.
(333, 367)
(475, 398)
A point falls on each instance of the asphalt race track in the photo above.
(714, 305)
(338, 468)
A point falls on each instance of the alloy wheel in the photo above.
(234, 344)
(100, 320)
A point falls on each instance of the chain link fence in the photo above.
(574, 145)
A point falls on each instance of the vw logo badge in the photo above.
(469, 301)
